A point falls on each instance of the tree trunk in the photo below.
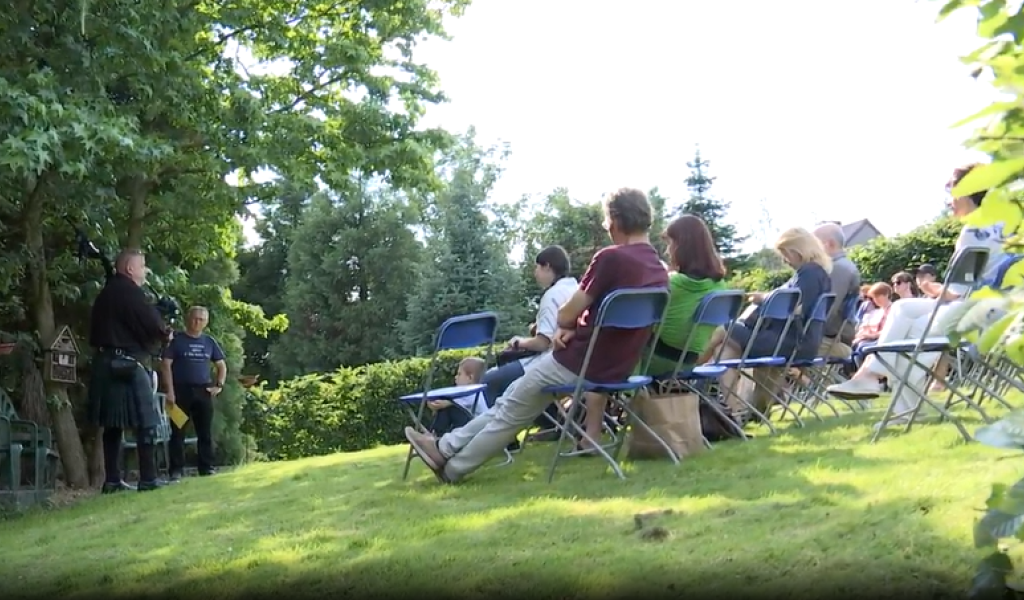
(136, 189)
(31, 402)
(40, 308)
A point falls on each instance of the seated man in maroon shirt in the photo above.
(630, 263)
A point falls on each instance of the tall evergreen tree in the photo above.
(713, 210)
(468, 269)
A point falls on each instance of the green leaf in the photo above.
(989, 176)
(1007, 432)
(1007, 499)
(996, 108)
(989, 581)
(953, 6)
(994, 526)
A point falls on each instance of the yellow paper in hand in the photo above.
(178, 416)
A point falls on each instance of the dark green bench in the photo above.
(25, 444)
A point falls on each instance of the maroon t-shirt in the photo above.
(617, 350)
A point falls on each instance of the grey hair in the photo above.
(833, 232)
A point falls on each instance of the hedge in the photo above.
(347, 410)
(356, 408)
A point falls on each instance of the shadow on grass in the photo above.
(812, 513)
(555, 550)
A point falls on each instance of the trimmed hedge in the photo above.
(357, 408)
(347, 410)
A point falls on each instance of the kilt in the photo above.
(119, 403)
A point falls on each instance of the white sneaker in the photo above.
(856, 388)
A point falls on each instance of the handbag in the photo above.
(674, 415)
(124, 367)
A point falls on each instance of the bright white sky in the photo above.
(823, 109)
(814, 109)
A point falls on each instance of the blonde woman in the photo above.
(802, 251)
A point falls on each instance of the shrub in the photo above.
(347, 410)
(881, 258)
(759, 280)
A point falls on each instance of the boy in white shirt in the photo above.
(449, 414)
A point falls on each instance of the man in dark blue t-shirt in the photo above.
(187, 381)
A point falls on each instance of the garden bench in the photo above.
(21, 439)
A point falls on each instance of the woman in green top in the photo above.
(695, 270)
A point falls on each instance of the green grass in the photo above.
(813, 512)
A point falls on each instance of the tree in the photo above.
(349, 266)
(131, 124)
(713, 210)
(467, 269)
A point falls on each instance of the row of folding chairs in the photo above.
(789, 397)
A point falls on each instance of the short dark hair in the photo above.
(555, 258)
(958, 174)
(630, 210)
(927, 269)
(902, 277)
(695, 254)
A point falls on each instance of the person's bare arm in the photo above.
(222, 372)
(167, 378)
(570, 312)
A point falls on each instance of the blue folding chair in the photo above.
(798, 392)
(832, 371)
(717, 309)
(457, 333)
(965, 269)
(779, 306)
(632, 308)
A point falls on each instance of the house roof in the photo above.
(850, 230)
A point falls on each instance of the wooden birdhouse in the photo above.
(60, 360)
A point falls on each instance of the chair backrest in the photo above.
(965, 269)
(632, 308)
(1005, 264)
(779, 305)
(716, 309)
(851, 306)
(467, 331)
(627, 308)
(821, 309)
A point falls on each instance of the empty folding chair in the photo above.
(457, 333)
(639, 308)
(717, 309)
(903, 358)
(778, 306)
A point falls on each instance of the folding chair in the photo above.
(457, 333)
(831, 372)
(717, 309)
(965, 269)
(779, 305)
(797, 391)
(991, 375)
(634, 308)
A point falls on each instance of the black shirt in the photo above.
(123, 319)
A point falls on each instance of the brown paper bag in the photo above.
(674, 416)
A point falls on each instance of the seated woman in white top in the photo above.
(908, 317)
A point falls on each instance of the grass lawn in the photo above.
(813, 513)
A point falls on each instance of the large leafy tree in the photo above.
(131, 116)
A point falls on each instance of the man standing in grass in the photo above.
(630, 263)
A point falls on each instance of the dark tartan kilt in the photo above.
(117, 403)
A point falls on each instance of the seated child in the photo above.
(450, 415)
